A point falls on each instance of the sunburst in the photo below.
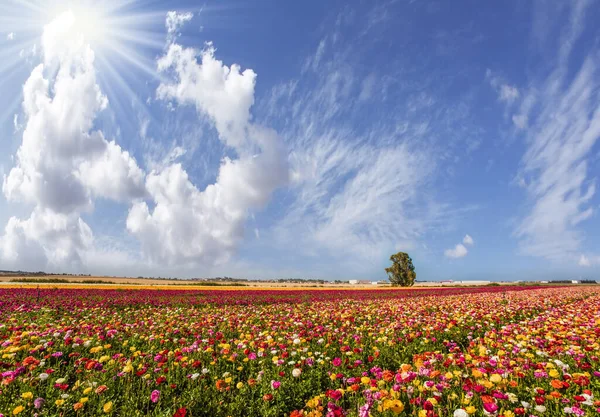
(125, 35)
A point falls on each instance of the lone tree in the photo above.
(402, 272)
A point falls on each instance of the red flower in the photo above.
(180, 413)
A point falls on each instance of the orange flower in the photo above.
(221, 384)
(297, 413)
(488, 399)
(556, 384)
(556, 394)
(388, 376)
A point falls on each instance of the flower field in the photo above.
(494, 351)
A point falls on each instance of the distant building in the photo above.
(574, 281)
(353, 282)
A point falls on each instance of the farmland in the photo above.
(494, 351)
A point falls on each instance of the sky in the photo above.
(311, 139)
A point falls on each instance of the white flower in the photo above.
(195, 376)
(297, 341)
(65, 396)
(226, 374)
(540, 408)
(205, 371)
(525, 404)
(296, 372)
(512, 397)
(60, 381)
(460, 413)
(320, 341)
(43, 376)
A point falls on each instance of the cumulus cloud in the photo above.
(223, 93)
(62, 162)
(468, 240)
(589, 260)
(460, 250)
(188, 225)
(457, 252)
(584, 261)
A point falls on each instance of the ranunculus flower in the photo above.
(155, 396)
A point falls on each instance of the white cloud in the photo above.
(457, 252)
(584, 261)
(224, 93)
(175, 21)
(187, 225)
(62, 163)
(520, 121)
(506, 93)
(555, 165)
(468, 240)
(10, 36)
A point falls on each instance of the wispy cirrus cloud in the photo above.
(560, 121)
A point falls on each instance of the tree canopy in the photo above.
(402, 272)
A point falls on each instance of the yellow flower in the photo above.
(395, 406)
(27, 395)
(18, 409)
(87, 390)
(422, 413)
(108, 407)
(59, 402)
(432, 400)
(496, 378)
(127, 369)
(509, 414)
(83, 400)
(470, 409)
(553, 373)
(365, 380)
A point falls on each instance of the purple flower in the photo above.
(38, 402)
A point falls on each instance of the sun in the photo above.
(86, 22)
(124, 35)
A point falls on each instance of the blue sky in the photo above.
(313, 139)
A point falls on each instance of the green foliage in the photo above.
(402, 272)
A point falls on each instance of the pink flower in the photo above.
(275, 384)
(337, 362)
(155, 396)
(490, 407)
